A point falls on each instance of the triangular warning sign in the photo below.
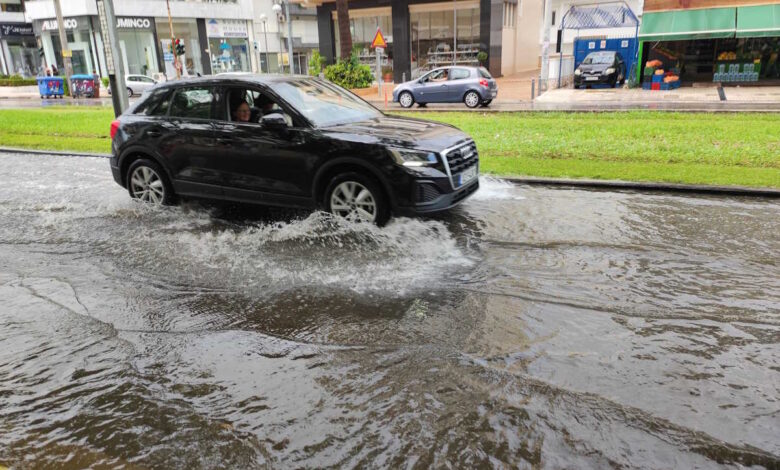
(379, 40)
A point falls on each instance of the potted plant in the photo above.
(482, 57)
(387, 73)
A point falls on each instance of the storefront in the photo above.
(137, 45)
(420, 35)
(79, 34)
(228, 45)
(18, 50)
(728, 45)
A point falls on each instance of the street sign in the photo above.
(379, 40)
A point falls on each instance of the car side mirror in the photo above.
(274, 121)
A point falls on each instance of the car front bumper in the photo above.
(592, 79)
(433, 199)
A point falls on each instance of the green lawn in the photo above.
(731, 149)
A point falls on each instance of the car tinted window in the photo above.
(459, 74)
(192, 103)
(146, 80)
(151, 103)
(483, 72)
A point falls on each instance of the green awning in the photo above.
(758, 21)
(688, 24)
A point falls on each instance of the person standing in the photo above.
(95, 84)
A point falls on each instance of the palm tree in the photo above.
(342, 11)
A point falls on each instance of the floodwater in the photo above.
(529, 328)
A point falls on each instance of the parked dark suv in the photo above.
(288, 141)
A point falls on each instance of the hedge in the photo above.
(18, 82)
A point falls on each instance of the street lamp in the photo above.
(264, 20)
(277, 8)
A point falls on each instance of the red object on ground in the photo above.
(656, 86)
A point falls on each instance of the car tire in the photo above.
(406, 99)
(373, 205)
(471, 99)
(129, 91)
(147, 182)
(486, 103)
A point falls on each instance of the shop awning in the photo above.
(688, 24)
(758, 21)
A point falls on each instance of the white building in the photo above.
(217, 35)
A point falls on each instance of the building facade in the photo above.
(18, 47)
(719, 41)
(271, 33)
(217, 35)
(423, 34)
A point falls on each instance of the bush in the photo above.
(482, 57)
(17, 80)
(316, 63)
(349, 74)
(105, 82)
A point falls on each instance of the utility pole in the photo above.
(289, 35)
(176, 63)
(116, 72)
(66, 52)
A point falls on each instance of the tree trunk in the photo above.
(342, 11)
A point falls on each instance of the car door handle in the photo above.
(153, 133)
(224, 140)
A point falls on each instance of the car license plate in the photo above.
(468, 175)
(591, 79)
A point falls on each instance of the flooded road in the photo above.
(531, 328)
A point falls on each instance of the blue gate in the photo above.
(625, 46)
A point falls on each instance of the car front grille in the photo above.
(427, 192)
(460, 158)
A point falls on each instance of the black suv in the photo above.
(288, 141)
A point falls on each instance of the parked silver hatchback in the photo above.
(473, 86)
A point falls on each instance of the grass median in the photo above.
(700, 148)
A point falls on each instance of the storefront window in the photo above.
(23, 56)
(363, 26)
(229, 55)
(139, 55)
(187, 31)
(435, 39)
(81, 47)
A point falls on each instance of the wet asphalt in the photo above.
(531, 327)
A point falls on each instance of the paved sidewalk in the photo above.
(697, 95)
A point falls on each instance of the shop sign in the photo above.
(226, 28)
(133, 23)
(51, 25)
(15, 29)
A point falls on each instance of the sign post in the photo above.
(379, 44)
(116, 73)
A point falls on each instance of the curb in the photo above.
(54, 152)
(580, 183)
(647, 186)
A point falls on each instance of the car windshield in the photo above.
(599, 58)
(323, 103)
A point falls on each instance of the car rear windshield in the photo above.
(599, 58)
(323, 103)
(483, 72)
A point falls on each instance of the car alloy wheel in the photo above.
(129, 92)
(354, 202)
(406, 99)
(471, 99)
(146, 185)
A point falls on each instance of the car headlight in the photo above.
(578, 72)
(609, 71)
(418, 158)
